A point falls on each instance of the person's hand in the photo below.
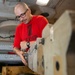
(21, 54)
(23, 45)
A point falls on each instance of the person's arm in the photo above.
(20, 53)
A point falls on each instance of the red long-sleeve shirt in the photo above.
(30, 31)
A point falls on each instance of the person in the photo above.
(29, 29)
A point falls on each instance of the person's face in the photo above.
(23, 15)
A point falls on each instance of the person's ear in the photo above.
(29, 10)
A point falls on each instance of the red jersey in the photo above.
(30, 31)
